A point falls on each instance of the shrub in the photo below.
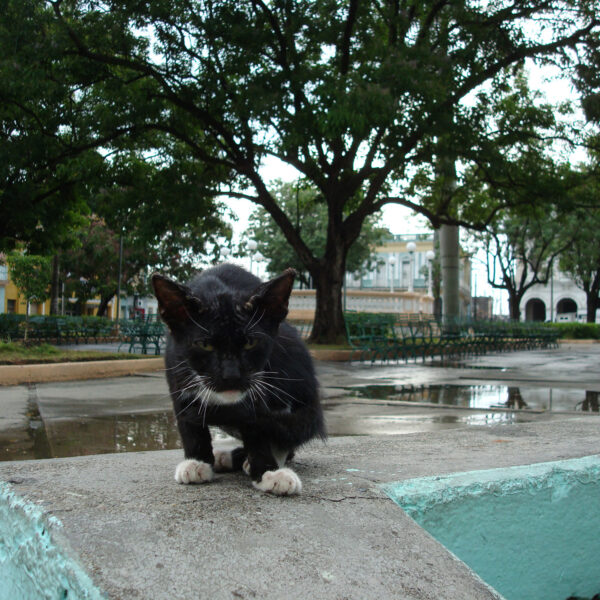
(578, 331)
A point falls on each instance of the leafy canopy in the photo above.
(303, 205)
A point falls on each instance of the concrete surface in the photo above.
(140, 535)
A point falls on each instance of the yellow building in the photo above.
(11, 301)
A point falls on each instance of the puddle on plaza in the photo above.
(144, 431)
(485, 396)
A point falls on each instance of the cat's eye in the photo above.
(203, 345)
(250, 344)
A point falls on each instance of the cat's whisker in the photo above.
(195, 381)
(176, 367)
(195, 322)
(267, 390)
(273, 386)
(251, 325)
(269, 375)
(260, 392)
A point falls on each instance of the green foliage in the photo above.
(357, 97)
(580, 258)
(31, 274)
(303, 205)
(577, 331)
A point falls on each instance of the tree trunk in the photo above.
(514, 306)
(328, 326)
(54, 286)
(102, 308)
(592, 303)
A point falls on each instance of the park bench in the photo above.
(146, 334)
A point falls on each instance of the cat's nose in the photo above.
(230, 374)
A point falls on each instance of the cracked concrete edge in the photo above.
(22, 374)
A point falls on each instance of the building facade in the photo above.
(401, 283)
(11, 301)
(560, 300)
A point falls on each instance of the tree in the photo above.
(580, 258)
(352, 95)
(520, 252)
(301, 203)
(31, 274)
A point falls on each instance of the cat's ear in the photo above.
(273, 296)
(174, 301)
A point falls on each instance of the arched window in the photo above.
(566, 305)
(535, 310)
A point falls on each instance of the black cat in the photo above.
(232, 361)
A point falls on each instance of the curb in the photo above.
(332, 355)
(19, 374)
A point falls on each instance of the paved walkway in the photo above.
(138, 534)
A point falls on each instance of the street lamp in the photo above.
(252, 246)
(392, 262)
(258, 258)
(411, 247)
(430, 255)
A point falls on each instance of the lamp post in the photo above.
(252, 246)
(411, 247)
(392, 262)
(430, 255)
(258, 258)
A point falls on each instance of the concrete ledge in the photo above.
(138, 534)
(19, 374)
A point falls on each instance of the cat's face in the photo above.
(223, 339)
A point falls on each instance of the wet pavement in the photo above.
(127, 414)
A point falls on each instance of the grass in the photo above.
(14, 353)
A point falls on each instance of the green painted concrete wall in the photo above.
(32, 565)
(530, 532)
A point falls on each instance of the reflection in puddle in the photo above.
(94, 435)
(486, 396)
(407, 409)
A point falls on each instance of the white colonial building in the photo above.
(559, 300)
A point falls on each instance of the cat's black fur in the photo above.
(227, 332)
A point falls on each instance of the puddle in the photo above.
(486, 396)
(407, 409)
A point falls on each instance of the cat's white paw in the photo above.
(223, 460)
(193, 471)
(282, 482)
(246, 467)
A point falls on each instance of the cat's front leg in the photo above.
(265, 465)
(199, 459)
(230, 460)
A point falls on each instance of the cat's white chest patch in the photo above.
(228, 397)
